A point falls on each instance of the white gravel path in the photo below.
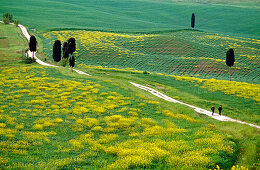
(152, 91)
(197, 109)
(27, 35)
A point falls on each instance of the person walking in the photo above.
(212, 109)
(219, 110)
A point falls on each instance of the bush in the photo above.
(29, 60)
(145, 72)
(26, 59)
(16, 22)
(64, 62)
(6, 20)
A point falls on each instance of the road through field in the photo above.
(197, 109)
(27, 35)
(152, 91)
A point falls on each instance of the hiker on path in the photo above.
(212, 109)
(219, 110)
(72, 62)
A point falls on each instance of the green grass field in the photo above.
(52, 118)
(10, 45)
(191, 53)
(239, 18)
(55, 119)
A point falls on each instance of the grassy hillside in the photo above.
(137, 15)
(52, 118)
(12, 45)
(190, 53)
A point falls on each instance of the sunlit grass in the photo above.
(68, 115)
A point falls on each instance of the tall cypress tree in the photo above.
(71, 46)
(230, 60)
(192, 20)
(65, 50)
(32, 44)
(56, 51)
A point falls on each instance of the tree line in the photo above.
(69, 47)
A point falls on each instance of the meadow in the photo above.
(85, 124)
(91, 122)
(102, 122)
(183, 53)
(233, 17)
(52, 118)
(11, 41)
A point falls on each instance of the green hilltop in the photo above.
(234, 17)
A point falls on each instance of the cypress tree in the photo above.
(71, 46)
(65, 50)
(56, 51)
(192, 20)
(230, 60)
(32, 44)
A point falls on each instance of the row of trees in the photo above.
(68, 48)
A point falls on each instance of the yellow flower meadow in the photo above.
(85, 120)
(240, 89)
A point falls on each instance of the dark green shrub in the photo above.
(16, 22)
(7, 18)
(27, 60)
(64, 62)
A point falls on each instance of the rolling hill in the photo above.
(137, 15)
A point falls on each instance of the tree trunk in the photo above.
(229, 73)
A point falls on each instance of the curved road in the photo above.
(197, 109)
(150, 90)
(27, 36)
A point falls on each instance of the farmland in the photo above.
(52, 118)
(102, 122)
(189, 53)
(233, 17)
(87, 125)
(111, 128)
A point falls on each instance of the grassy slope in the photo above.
(246, 137)
(192, 53)
(235, 107)
(135, 15)
(10, 45)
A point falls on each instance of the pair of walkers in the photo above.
(219, 110)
